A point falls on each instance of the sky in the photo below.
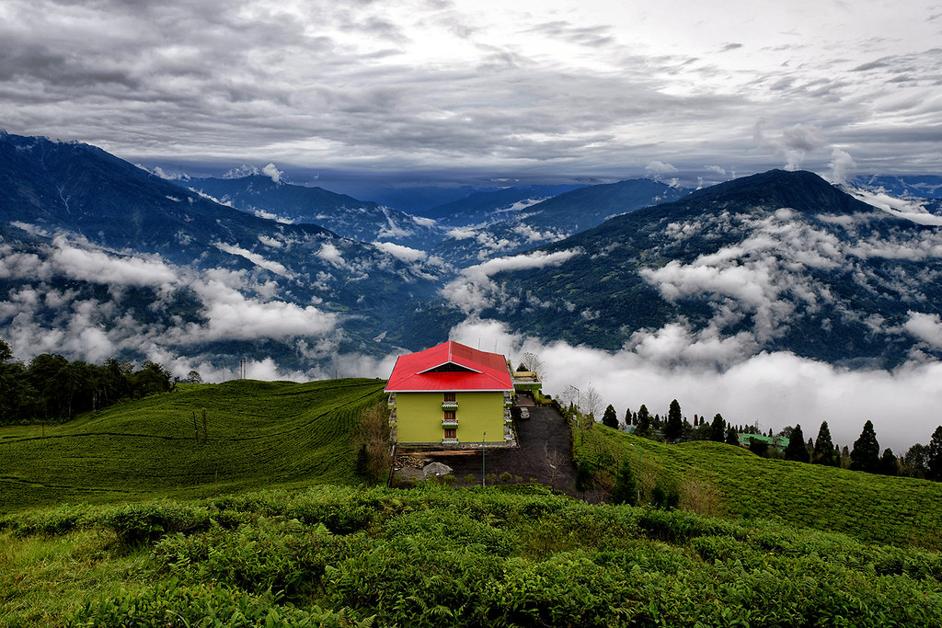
(530, 88)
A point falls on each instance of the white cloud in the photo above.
(271, 170)
(773, 389)
(276, 267)
(331, 254)
(720, 170)
(96, 266)
(658, 168)
(842, 165)
(461, 233)
(401, 252)
(926, 327)
(472, 291)
(908, 209)
(261, 213)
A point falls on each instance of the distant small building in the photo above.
(526, 381)
(451, 396)
(779, 442)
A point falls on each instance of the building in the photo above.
(451, 396)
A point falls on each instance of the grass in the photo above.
(718, 479)
(343, 556)
(258, 434)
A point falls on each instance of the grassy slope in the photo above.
(714, 478)
(438, 556)
(260, 433)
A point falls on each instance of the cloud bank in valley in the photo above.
(771, 389)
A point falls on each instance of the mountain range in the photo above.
(272, 198)
(99, 257)
(774, 261)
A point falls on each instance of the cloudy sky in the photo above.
(540, 88)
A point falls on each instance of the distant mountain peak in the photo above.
(801, 190)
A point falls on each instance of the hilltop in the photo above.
(257, 434)
(725, 480)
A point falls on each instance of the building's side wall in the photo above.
(419, 417)
(479, 413)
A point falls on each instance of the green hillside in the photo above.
(718, 479)
(257, 434)
(433, 556)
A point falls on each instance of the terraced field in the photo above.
(718, 479)
(257, 434)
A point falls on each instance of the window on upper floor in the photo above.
(450, 396)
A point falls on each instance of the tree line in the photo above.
(921, 461)
(52, 388)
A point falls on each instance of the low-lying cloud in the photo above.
(769, 389)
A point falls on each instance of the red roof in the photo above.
(450, 366)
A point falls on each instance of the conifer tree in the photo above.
(643, 421)
(625, 490)
(865, 456)
(888, 464)
(674, 428)
(796, 449)
(609, 417)
(718, 428)
(823, 452)
(628, 417)
(732, 437)
(934, 456)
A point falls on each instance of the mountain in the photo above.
(494, 205)
(774, 261)
(528, 226)
(904, 186)
(99, 257)
(361, 220)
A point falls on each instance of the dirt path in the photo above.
(544, 454)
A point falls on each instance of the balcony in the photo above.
(449, 441)
(450, 405)
(449, 422)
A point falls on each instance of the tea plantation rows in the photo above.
(345, 556)
(255, 434)
(718, 479)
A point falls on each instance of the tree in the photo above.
(532, 362)
(934, 456)
(591, 402)
(6, 353)
(193, 377)
(609, 418)
(915, 462)
(865, 456)
(823, 452)
(626, 487)
(732, 437)
(718, 428)
(644, 421)
(674, 427)
(628, 417)
(363, 462)
(796, 449)
(888, 464)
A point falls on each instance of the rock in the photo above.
(436, 469)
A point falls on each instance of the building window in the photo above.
(451, 433)
(449, 396)
(449, 415)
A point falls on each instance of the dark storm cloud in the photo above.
(378, 85)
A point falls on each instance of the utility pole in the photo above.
(483, 459)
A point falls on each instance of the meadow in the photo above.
(256, 434)
(723, 480)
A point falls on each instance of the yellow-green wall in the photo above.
(419, 417)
